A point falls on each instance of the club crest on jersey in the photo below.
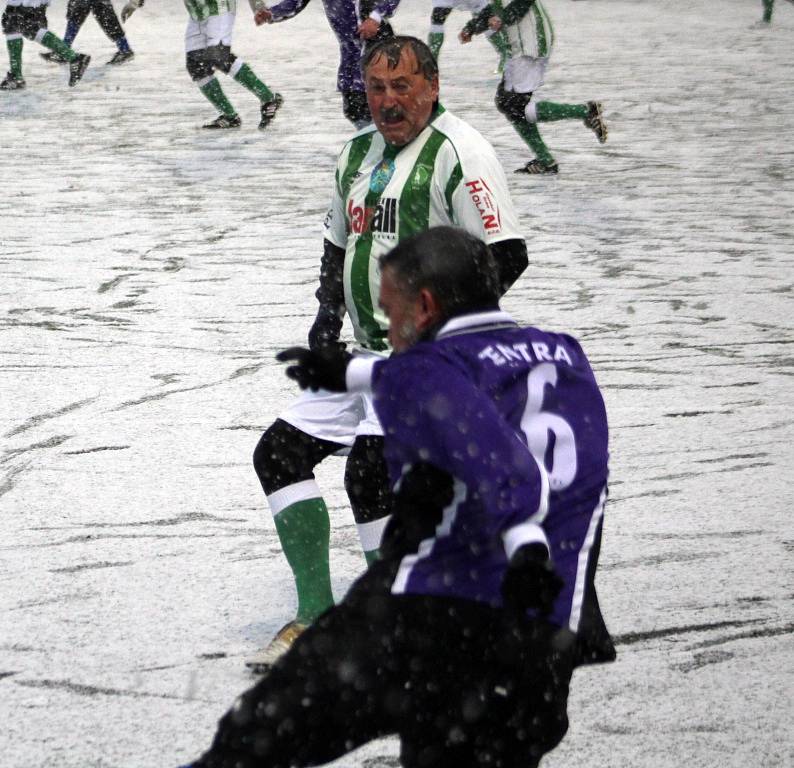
(381, 218)
(381, 175)
(485, 203)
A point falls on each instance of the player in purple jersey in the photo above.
(353, 39)
(462, 638)
(343, 19)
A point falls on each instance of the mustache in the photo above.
(392, 113)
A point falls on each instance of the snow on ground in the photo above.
(150, 271)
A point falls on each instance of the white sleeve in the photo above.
(481, 203)
(335, 224)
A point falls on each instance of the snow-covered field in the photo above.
(149, 271)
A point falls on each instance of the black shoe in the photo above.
(536, 167)
(224, 121)
(12, 83)
(77, 68)
(119, 57)
(53, 57)
(595, 121)
(269, 109)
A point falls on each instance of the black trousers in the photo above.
(21, 20)
(77, 12)
(462, 684)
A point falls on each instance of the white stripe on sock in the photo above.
(371, 533)
(236, 67)
(291, 494)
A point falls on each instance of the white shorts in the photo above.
(474, 6)
(524, 74)
(216, 30)
(336, 416)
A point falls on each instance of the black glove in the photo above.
(530, 581)
(323, 368)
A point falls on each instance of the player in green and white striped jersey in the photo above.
(530, 38)
(438, 16)
(28, 19)
(208, 41)
(417, 167)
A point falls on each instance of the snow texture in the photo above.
(150, 271)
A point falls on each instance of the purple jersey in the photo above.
(343, 17)
(515, 417)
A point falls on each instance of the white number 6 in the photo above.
(537, 423)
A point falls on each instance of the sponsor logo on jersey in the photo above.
(381, 218)
(485, 203)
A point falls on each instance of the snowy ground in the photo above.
(150, 271)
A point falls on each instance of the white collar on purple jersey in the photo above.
(477, 321)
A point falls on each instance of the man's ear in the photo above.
(429, 310)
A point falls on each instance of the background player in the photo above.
(208, 41)
(530, 37)
(439, 14)
(342, 17)
(28, 19)
(463, 637)
(77, 12)
(418, 166)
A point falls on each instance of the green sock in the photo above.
(15, 56)
(214, 93)
(768, 4)
(548, 111)
(304, 530)
(529, 132)
(434, 41)
(246, 77)
(56, 44)
(371, 555)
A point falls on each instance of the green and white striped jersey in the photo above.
(201, 10)
(449, 174)
(528, 30)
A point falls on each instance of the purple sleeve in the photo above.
(286, 9)
(431, 412)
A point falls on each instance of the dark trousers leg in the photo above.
(107, 19)
(76, 13)
(462, 684)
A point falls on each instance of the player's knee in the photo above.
(285, 455)
(367, 480)
(197, 65)
(221, 57)
(439, 15)
(511, 104)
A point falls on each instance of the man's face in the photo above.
(400, 98)
(401, 309)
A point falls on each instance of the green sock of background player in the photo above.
(548, 111)
(54, 43)
(15, 56)
(434, 42)
(214, 93)
(768, 5)
(246, 77)
(530, 134)
(304, 530)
